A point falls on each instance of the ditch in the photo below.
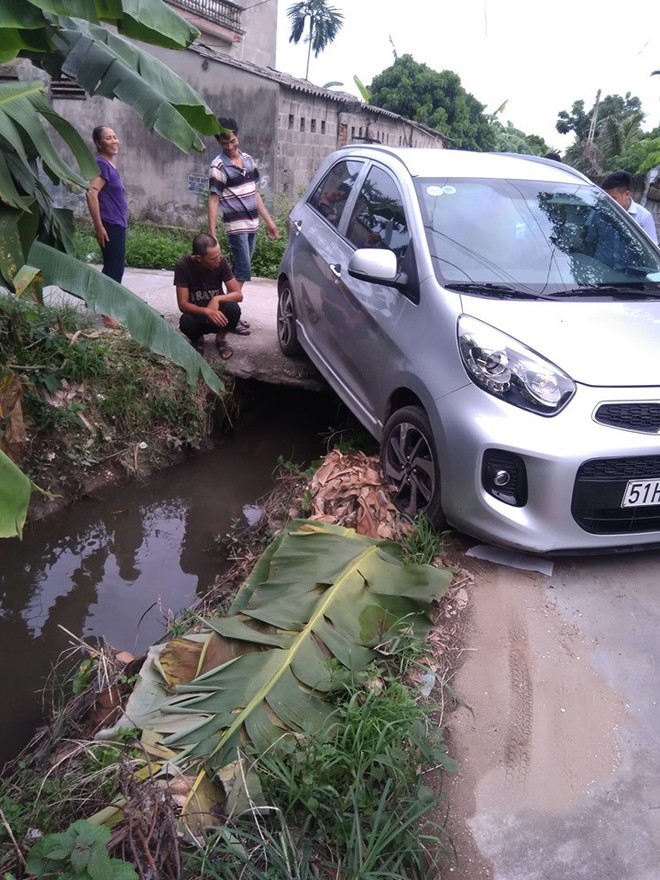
(119, 565)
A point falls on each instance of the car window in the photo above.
(542, 237)
(378, 218)
(330, 196)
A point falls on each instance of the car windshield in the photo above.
(534, 238)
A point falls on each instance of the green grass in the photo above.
(423, 543)
(156, 247)
(90, 398)
(351, 802)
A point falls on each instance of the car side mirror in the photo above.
(374, 264)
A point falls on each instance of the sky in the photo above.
(539, 58)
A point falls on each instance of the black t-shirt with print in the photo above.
(202, 283)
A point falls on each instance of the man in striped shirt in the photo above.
(233, 178)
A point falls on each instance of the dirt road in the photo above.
(560, 775)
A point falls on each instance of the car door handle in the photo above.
(297, 225)
(335, 268)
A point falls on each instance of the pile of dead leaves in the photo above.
(348, 491)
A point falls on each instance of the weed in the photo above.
(147, 246)
(181, 623)
(37, 342)
(422, 543)
(307, 501)
(404, 653)
(93, 399)
(79, 852)
(268, 852)
(356, 789)
(296, 469)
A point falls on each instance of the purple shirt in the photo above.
(112, 198)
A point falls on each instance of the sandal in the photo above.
(224, 349)
(241, 329)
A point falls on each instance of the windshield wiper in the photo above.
(500, 291)
(649, 290)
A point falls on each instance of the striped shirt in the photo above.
(236, 189)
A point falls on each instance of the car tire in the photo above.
(410, 464)
(287, 332)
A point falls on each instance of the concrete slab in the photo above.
(257, 356)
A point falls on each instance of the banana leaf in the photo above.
(15, 491)
(67, 37)
(152, 22)
(18, 103)
(104, 63)
(22, 16)
(329, 597)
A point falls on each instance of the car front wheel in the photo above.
(410, 466)
(287, 333)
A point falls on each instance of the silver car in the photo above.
(494, 321)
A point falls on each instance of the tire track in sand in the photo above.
(518, 737)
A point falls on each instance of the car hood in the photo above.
(597, 343)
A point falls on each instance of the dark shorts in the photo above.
(196, 326)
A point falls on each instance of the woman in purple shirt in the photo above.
(106, 200)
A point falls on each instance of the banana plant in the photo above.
(311, 616)
(15, 491)
(68, 37)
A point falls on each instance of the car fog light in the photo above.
(504, 476)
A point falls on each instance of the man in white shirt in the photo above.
(618, 185)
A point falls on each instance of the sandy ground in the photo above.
(554, 748)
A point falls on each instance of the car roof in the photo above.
(422, 162)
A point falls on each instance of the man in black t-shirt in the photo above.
(207, 307)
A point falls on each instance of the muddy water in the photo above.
(119, 564)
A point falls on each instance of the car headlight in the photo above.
(507, 369)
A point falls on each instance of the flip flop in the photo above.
(242, 323)
(224, 349)
(240, 330)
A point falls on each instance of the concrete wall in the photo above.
(256, 38)
(313, 125)
(289, 127)
(259, 21)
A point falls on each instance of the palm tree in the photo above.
(325, 22)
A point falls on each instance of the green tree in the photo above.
(435, 99)
(37, 240)
(509, 139)
(321, 24)
(618, 126)
(642, 155)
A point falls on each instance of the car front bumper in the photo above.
(576, 472)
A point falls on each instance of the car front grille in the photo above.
(598, 492)
(643, 417)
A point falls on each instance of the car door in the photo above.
(318, 248)
(361, 317)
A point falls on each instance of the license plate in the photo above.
(641, 493)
